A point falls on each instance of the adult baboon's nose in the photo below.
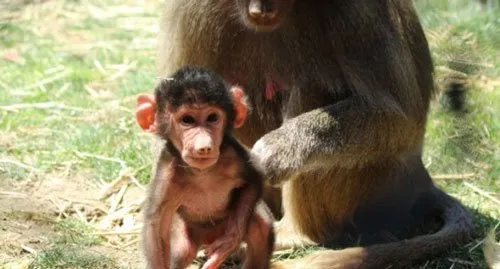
(262, 9)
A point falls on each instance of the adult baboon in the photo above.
(340, 92)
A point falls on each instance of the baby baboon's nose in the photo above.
(203, 145)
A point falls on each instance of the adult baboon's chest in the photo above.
(283, 78)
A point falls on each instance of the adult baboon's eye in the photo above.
(188, 120)
(213, 118)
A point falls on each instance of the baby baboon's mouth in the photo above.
(201, 162)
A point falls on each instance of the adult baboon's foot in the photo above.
(287, 236)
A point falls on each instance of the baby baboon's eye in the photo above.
(213, 118)
(188, 120)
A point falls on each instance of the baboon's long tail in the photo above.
(457, 229)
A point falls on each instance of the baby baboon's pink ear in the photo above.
(145, 112)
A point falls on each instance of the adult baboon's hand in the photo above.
(280, 153)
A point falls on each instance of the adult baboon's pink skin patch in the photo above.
(273, 85)
(271, 88)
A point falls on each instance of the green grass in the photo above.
(101, 124)
(75, 232)
(86, 61)
(69, 249)
(63, 257)
(465, 39)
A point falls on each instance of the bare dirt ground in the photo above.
(29, 211)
